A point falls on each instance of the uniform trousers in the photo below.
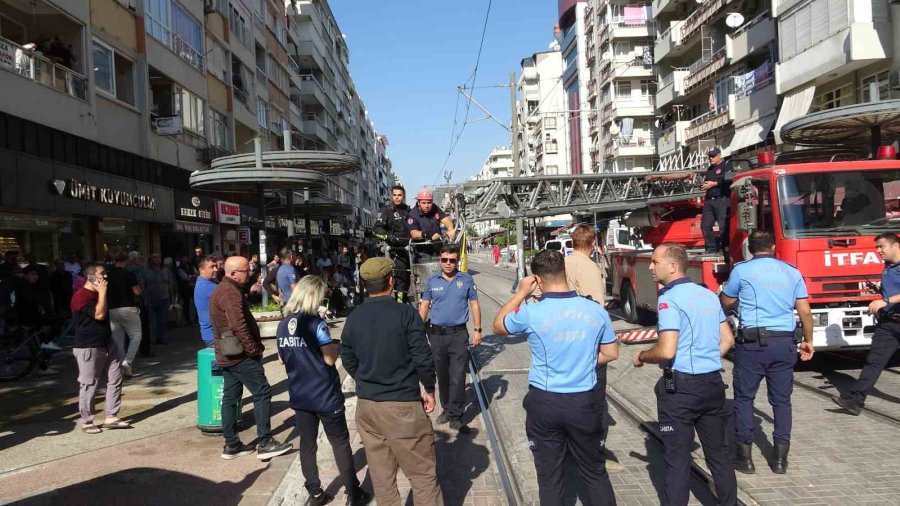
(402, 271)
(698, 403)
(557, 424)
(752, 363)
(715, 211)
(450, 357)
(335, 426)
(885, 342)
(399, 433)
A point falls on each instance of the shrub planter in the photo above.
(268, 322)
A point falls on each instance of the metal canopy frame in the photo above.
(871, 123)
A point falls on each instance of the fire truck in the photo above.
(824, 210)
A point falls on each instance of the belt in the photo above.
(684, 375)
(889, 317)
(437, 329)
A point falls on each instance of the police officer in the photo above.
(693, 337)
(425, 219)
(766, 291)
(886, 338)
(451, 295)
(716, 202)
(568, 336)
(391, 227)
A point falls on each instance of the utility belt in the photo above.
(762, 335)
(438, 330)
(884, 317)
(671, 377)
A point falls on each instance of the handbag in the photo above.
(230, 344)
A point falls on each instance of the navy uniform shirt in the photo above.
(890, 285)
(695, 313)
(429, 224)
(717, 173)
(767, 290)
(390, 223)
(313, 385)
(450, 299)
(564, 332)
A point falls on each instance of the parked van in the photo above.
(563, 244)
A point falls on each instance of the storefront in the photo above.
(194, 220)
(56, 210)
(225, 234)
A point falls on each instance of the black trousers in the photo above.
(559, 424)
(885, 342)
(145, 347)
(250, 373)
(450, 357)
(715, 211)
(335, 426)
(402, 271)
(699, 403)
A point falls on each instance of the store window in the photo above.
(48, 238)
(119, 235)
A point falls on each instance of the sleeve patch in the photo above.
(663, 306)
(409, 220)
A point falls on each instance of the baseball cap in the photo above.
(376, 268)
(714, 152)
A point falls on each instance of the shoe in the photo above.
(233, 452)
(51, 346)
(848, 405)
(443, 418)
(272, 448)
(614, 467)
(457, 425)
(126, 370)
(358, 498)
(744, 464)
(779, 460)
(319, 498)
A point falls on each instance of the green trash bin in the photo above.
(210, 385)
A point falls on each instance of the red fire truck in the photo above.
(824, 214)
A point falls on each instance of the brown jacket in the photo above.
(228, 309)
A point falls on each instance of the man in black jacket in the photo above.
(391, 226)
(384, 349)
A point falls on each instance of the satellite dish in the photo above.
(734, 20)
(504, 210)
(614, 129)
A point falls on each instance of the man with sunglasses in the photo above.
(452, 295)
(391, 227)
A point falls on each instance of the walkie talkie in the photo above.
(669, 380)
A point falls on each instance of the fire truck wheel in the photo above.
(629, 305)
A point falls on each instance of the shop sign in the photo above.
(193, 228)
(84, 191)
(250, 217)
(313, 228)
(8, 54)
(336, 229)
(228, 212)
(243, 235)
(193, 208)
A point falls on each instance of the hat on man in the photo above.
(714, 152)
(376, 268)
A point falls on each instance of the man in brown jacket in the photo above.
(229, 311)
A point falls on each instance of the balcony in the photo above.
(630, 68)
(312, 92)
(704, 70)
(669, 42)
(620, 29)
(707, 123)
(33, 66)
(671, 138)
(754, 95)
(751, 37)
(640, 144)
(699, 17)
(634, 106)
(314, 126)
(671, 87)
(663, 7)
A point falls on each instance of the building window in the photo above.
(219, 134)
(623, 90)
(278, 75)
(810, 24)
(648, 89)
(552, 147)
(192, 110)
(113, 74)
(103, 68)
(169, 23)
(157, 20)
(549, 122)
(626, 164)
(874, 87)
(834, 98)
(240, 28)
(276, 121)
(551, 170)
(262, 113)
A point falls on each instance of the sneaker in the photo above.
(320, 498)
(358, 498)
(457, 425)
(443, 418)
(272, 448)
(233, 452)
(127, 370)
(848, 405)
(51, 346)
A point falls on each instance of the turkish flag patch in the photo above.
(516, 311)
(663, 305)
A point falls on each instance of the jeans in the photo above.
(159, 319)
(127, 320)
(250, 373)
(335, 425)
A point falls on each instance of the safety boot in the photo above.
(744, 462)
(780, 461)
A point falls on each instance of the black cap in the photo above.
(714, 152)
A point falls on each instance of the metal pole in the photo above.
(263, 259)
(520, 223)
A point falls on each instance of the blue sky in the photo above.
(407, 58)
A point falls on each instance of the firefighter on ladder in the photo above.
(391, 227)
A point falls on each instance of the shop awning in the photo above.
(858, 125)
(795, 104)
(750, 134)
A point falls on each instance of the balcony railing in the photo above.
(753, 81)
(746, 26)
(703, 13)
(42, 70)
(704, 68)
(665, 34)
(187, 52)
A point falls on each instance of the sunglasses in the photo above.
(449, 260)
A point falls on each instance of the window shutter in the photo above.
(819, 21)
(788, 37)
(802, 20)
(837, 16)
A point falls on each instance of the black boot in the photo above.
(744, 462)
(780, 462)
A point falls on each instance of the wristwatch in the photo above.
(477, 329)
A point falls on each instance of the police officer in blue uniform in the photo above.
(693, 337)
(766, 292)
(886, 338)
(568, 336)
(452, 295)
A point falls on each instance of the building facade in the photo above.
(541, 106)
(573, 43)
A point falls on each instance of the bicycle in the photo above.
(21, 349)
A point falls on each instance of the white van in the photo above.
(563, 244)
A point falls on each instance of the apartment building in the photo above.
(622, 86)
(115, 102)
(541, 106)
(499, 163)
(573, 44)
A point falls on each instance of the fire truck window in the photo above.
(624, 237)
(763, 201)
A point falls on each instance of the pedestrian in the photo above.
(693, 337)
(187, 280)
(314, 389)
(159, 285)
(136, 266)
(582, 272)
(61, 287)
(886, 338)
(391, 227)
(384, 349)
(766, 291)
(96, 353)
(565, 406)
(716, 202)
(270, 283)
(124, 310)
(10, 262)
(286, 278)
(203, 290)
(452, 296)
(230, 316)
(324, 262)
(496, 251)
(197, 258)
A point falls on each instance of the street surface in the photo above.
(45, 459)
